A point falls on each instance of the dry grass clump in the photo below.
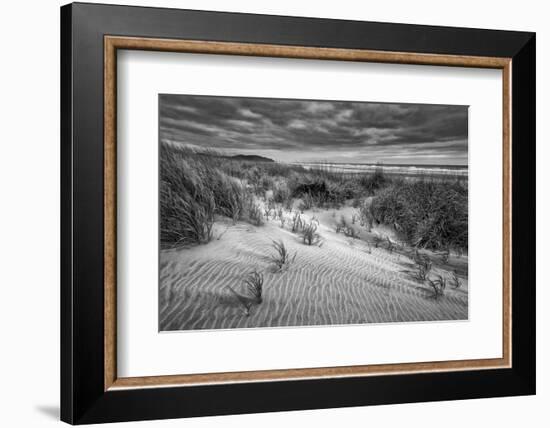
(253, 282)
(309, 234)
(455, 280)
(428, 214)
(297, 222)
(438, 286)
(423, 266)
(282, 257)
(187, 205)
(193, 189)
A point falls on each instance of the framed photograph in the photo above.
(265, 213)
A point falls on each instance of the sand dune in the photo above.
(340, 281)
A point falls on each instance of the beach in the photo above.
(338, 280)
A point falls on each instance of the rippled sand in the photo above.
(342, 281)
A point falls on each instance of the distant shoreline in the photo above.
(403, 165)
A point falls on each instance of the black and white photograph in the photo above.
(288, 212)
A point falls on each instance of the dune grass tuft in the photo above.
(253, 282)
(309, 234)
(455, 280)
(438, 286)
(282, 257)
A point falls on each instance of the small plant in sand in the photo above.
(282, 258)
(438, 286)
(455, 281)
(423, 266)
(267, 213)
(309, 234)
(297, 222)
(255, 214)
(254, 282)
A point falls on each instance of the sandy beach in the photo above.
(339, 280)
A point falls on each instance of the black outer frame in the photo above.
(83, 399)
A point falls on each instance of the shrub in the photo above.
(428, 214)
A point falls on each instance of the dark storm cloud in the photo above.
(298, 130)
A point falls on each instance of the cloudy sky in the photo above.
(305, 131)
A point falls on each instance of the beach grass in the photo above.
(196, 186)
